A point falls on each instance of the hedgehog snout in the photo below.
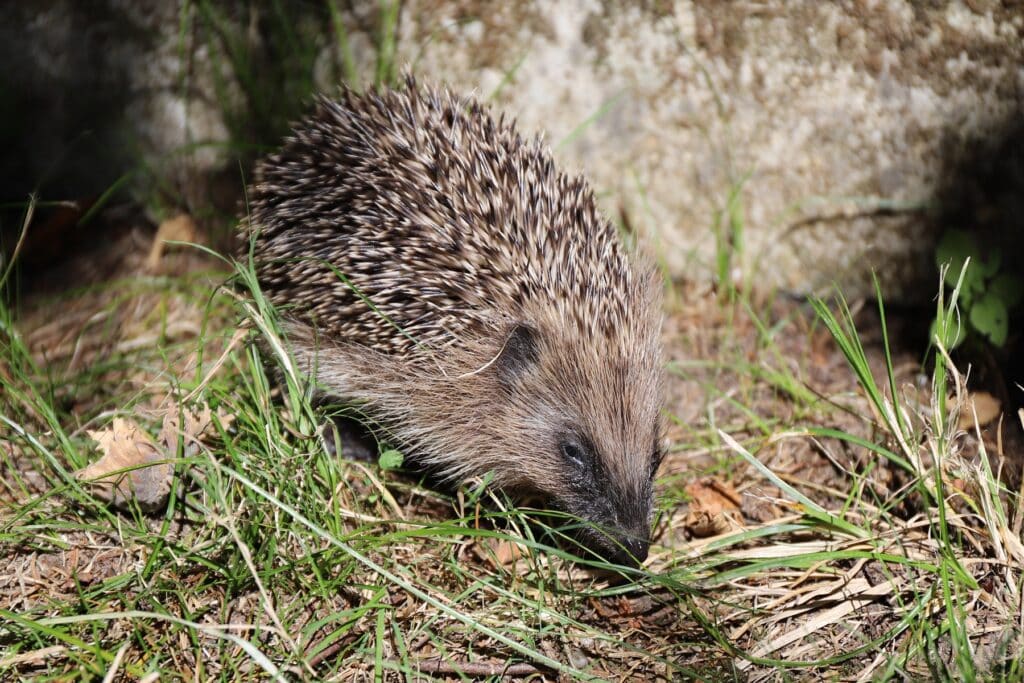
(630, 542)
(613, 525)
(626, 546)
(632, 551)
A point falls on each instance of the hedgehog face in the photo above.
(590, 429)
(616, 512)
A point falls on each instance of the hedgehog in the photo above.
(434, 267)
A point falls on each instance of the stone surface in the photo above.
(816, 141)
(92, 91)
(832, 124)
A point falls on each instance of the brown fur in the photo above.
(507, 320)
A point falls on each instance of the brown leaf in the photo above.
(714, 508)
(134, 466)
(195, 425)
(987, 406)
(712, 495)
(703, 524)
(759, 504)
(181, 228)
(499, 552)
(124, 445)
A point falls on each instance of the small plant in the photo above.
(988, 294)
(728, 231)
(390, 459)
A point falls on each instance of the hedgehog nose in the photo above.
(631, 552)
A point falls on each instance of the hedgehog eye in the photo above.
(574, 454)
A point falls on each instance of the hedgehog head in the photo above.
(580, 424)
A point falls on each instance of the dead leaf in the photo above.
(181, 228)
(987, 407)
(134, 466)
(702, 524)
(601, 610)
(124, 445)
(760, 505)
(712, 495)
(499, 552)
(714, 508)
(193, 427)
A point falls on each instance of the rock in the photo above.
(819, 140)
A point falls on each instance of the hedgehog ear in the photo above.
(518, 354)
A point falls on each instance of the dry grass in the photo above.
(806, 530)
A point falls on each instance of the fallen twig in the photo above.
(440, 666)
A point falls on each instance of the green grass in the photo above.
(275, 558)
(264, 513)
